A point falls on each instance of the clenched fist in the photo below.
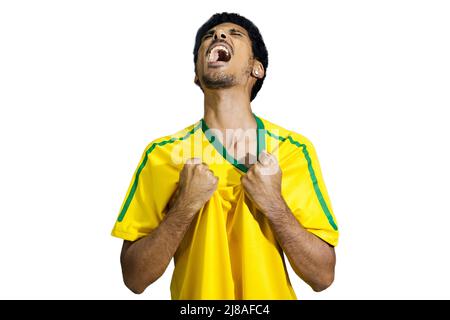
(262, 183)
(196, 185)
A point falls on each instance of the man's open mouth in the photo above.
(219, 53)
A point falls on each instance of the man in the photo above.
(226, 202)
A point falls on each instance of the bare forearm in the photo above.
(145, 260)
(311, 258)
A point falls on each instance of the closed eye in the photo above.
(235, 32)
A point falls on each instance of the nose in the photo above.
(219, 34)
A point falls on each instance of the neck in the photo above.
(228, 109)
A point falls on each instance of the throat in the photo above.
(243, 147)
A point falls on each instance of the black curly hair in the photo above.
(258, 47)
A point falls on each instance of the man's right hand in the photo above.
(196, 186)
(144, 260)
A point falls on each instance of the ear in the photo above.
(258, 70)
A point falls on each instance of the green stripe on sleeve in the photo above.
(142, 165)
(312, 174)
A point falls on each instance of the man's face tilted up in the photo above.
(225, 59)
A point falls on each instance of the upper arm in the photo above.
(126, 245)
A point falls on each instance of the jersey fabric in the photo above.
(230, 250)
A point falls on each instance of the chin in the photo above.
(216, 80)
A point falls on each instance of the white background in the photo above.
(85, 85)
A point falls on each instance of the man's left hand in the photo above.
(262, 183)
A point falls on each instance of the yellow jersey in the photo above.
(229, 251)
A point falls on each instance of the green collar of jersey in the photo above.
(260, 141)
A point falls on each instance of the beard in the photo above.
(218, 80)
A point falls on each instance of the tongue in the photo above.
(214, 56)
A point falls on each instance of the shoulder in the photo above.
(166, 141)
(282, 134)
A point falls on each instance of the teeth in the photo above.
(214, 53)
(220, 48)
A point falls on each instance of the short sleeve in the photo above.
(310, 201)
(139, 214)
